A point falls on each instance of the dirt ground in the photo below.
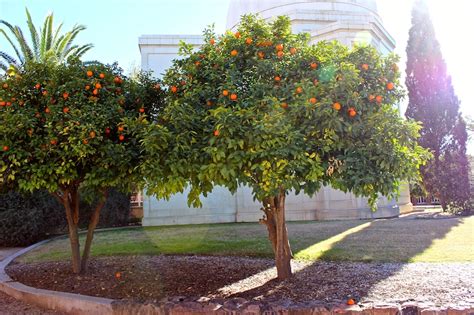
(151, 278)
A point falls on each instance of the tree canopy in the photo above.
(263, 108)
(433, 102)
(65, 128)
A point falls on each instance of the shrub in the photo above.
(26, 219)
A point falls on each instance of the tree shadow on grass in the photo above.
(370, 262)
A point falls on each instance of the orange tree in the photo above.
(262, 108)
(64, 128)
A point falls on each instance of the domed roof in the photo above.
(267, 8)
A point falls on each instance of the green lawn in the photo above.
(415, 240)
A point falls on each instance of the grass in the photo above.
(391, 240)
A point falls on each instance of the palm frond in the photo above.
(3, 66)
(82, 50)
(44, 35)
(9, 59)
(56, 34)
(10, 27)
(49, 32)
(26, 50)
(33, 32)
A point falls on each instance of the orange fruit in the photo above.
(225, 92)
(118, 275)
(284, 105)
(5, 85)
(371, 98)
(141, 110)
(5, 148)
(336, 106)
(212, 41)
(3, 103)
(197, 63)
(292, 50)
(117, 80)
(234, 53)
(313, 100)
(66, 110)
(209, 103)
(174, 89)
(9, 103)
(233, 97)
(92, 134)
(216, 133)
(65, 95)
(45, 93)
(47, 110)
(37, 86)
(120, 128)
(390, 86)
(88, 87)
(237, 34)
(351, 111)
(279, 47)
(378, 99)
(280, 54)
(121, 137)
(248, 41)
(98, 86)
(313, 65)
(350, 302)
(261, 54)
(365, 66)
(277, 79)
(85, 141)
(53, 141)
(299, 90)
(89, 73)
(101, 75)
(95, 92)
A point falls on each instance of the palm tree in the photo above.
(46, 46)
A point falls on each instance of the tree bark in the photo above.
(67, 198)
(274, 209)
(94, 220)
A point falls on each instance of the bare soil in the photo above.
(151, 278)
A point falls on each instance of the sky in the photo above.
(114, 27)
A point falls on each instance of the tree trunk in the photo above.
(68, 198)
(90, 230)
(274, 209)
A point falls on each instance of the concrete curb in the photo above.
(61, 301)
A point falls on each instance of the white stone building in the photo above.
(348, 21)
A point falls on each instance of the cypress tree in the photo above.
(432, 101)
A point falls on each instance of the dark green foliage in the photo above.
(115, 212)
(25, 219)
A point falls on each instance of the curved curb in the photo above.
(61, 301)
(72, 303)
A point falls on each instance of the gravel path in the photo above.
(149, 278)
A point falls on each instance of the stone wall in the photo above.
(220, 206)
